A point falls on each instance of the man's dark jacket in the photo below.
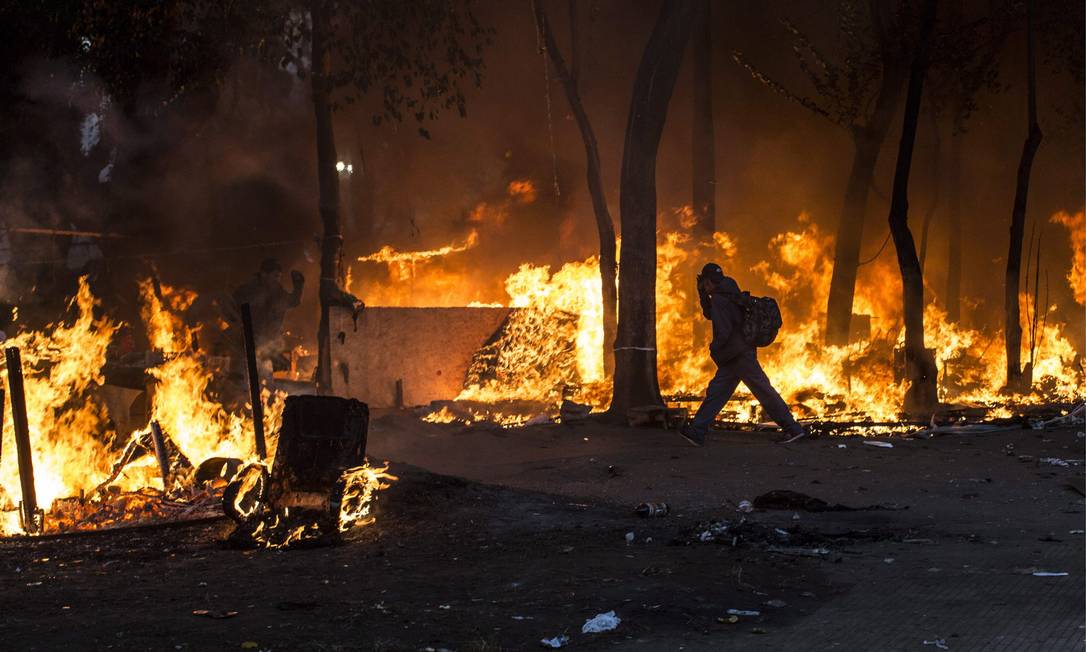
(722, 307)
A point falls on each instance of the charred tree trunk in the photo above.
(954, 226)
(920, 366)
(605, 226)
(328, 180)
(867, 144)
(1016, 379)
(703, 154)
(635, 382)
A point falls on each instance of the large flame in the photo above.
(74, 445)
(70, 434)
(1076, 227)
(858, 381)
(183, 403)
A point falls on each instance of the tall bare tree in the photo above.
(920, 365)
(605, 226)
(860, 93)
(703, 150)
(635, 381)
(1018, 378)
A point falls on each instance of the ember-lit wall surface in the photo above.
(428, 348)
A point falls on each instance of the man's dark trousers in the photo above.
(743, 367)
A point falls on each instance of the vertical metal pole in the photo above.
(254, 381)
(399, 394)
(29, 503)
(160, 454)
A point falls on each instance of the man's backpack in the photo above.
(761, 319)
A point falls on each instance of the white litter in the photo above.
(539, 419)
(743, 612)
(841, 446)
(556, 642)
(629, 538)
(745, 506)
(1076, 532)
(879, 444)
(939, 643)
(1055, 461)
(1049, 574)
(604, 622)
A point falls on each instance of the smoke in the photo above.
(208, 185)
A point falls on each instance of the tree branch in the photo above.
(779, 88)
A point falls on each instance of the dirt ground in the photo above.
(495, 539)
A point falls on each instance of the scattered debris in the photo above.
(713, 529)
(939, 643)
(603, 622)
(729, 620)
(656, 510)
(800, 552)
(776, 604)
(1055, 461)
(745, 506)
(794, 500)
(1050, 574)
(629, 538)
(555, 642)
(538, 420)
(743, 612)
(878, 444)
(573, 412)
(217, 615)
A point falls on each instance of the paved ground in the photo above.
(493, 539)
(983, 522)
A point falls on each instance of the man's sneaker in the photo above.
(694, 437)
(793, 434)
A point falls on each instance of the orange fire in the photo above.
(1076, 227)
(858, 381)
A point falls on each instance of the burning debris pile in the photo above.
(861, 383)
(78, 469)
(319, 485)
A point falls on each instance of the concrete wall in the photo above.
(428, 348)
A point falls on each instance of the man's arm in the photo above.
(722, 320)
(703, 297)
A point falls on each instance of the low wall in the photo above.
(429, 349)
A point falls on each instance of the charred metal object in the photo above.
(300, 498)
(30, 516)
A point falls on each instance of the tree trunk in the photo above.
(605, 226)
(635, 382)
(328, 180)
(1012, 328)
(867, 144)
(703, 154)
(920, 365)
(954, 225)
(936, 186)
